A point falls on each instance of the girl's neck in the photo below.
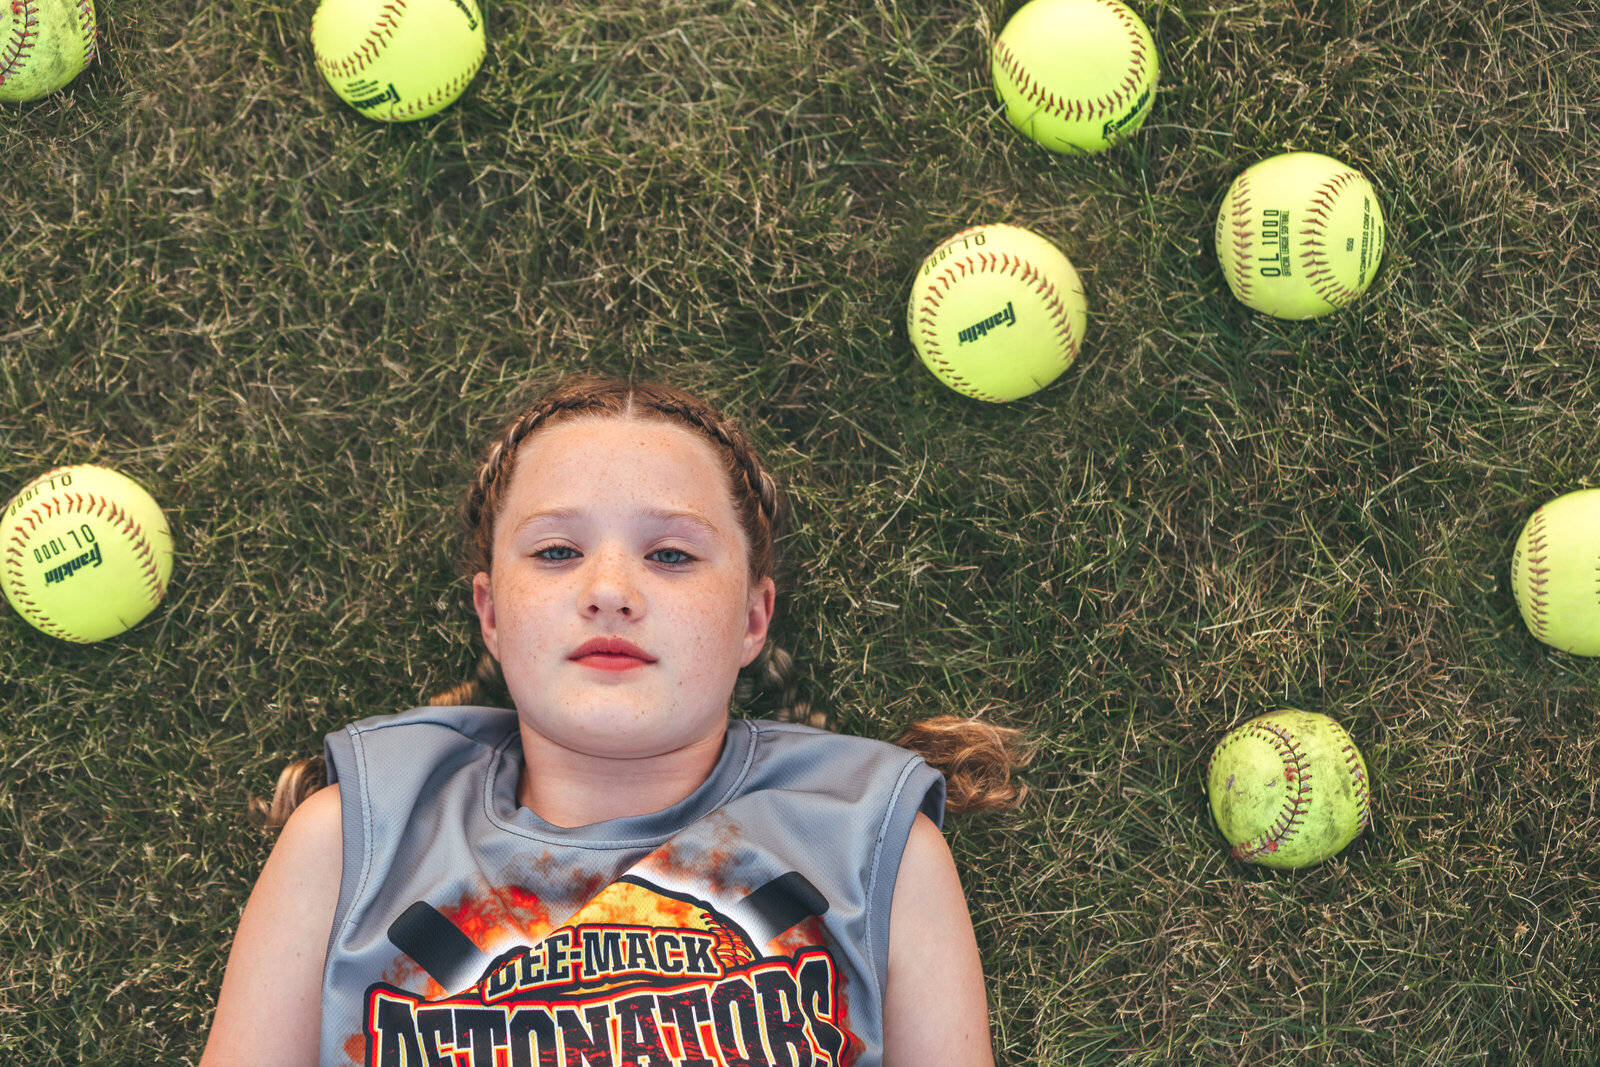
(567, 788)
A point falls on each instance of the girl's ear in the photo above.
(758, 617)
(483, 601)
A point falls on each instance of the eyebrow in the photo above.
(663, 515)
(690, 518)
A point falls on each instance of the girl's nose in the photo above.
(611, 590)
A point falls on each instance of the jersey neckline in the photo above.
(629, 831)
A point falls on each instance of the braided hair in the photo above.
(755, 502)
(976, 758)
(755, 493)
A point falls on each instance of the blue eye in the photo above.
(682, 556)
(551, 553)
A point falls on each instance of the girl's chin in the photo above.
(626, 733)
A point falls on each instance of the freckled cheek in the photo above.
(715, 624)
(525, 608)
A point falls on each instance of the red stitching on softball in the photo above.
(86, 23)
(1077, 110)
(1239, 198)
(1537, 575)
(383, 30)
(446, 92)
(988, 263)
(1330, 289)
(1358, 783)
(1295, 772)
(100, 507)
(21, 43)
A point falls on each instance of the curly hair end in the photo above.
(295, 782)
(976, 758)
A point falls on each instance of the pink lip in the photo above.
(611, 654)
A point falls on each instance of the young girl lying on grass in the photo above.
(615, 872)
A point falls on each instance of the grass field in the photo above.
(299, 328)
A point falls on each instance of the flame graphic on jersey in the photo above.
(638, 977)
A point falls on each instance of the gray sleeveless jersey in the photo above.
(747, 926)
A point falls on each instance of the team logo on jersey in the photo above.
(639, 977)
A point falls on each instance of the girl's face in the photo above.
(619, 603)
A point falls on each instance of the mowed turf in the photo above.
(298, 328)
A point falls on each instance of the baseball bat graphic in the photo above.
(439, 947)
(784, 903)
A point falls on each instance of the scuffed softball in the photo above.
(1288, 789)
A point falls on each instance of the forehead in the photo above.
(613, 462)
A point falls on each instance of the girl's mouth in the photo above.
(607, 662)
(611, 654)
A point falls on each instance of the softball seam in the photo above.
(382, 32)
(22, 40)
(89, 505)
(987, 263)
(1317, 270)
(1295, 771)
(1358, 784)
(1078, 110)
(1538, 607)
(87, 24)
(22, 43)
(1242, 232)
(446, 92)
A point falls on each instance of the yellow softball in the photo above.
(1075, 75)
(996, 312)
(85, 553)
(1299, 235)
(1288, 789)
(397, 60)
(1555, 572)
(44, 44)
